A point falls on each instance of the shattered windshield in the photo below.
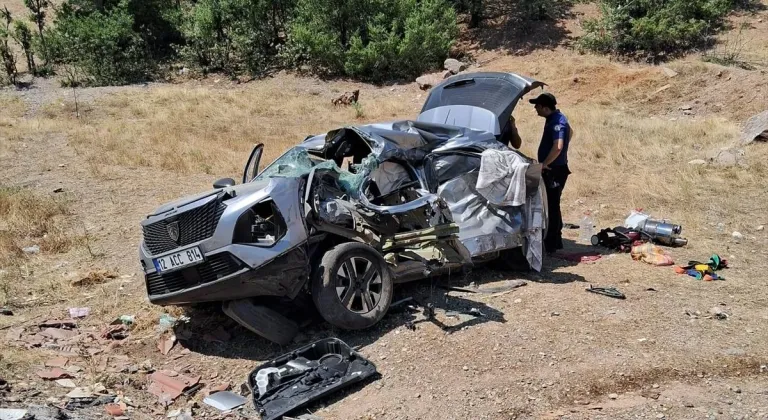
(297, 162)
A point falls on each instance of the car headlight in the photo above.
(260, 225)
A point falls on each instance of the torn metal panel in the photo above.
(483, 228)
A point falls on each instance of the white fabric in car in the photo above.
(502, 177)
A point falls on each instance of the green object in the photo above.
(127, 319)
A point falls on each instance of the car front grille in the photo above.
(213, 268)
(194, 226)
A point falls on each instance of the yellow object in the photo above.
(651, 254)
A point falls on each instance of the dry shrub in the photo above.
(626, 161)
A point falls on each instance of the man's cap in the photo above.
(545, 99)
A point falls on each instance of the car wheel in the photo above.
(352, 286)
(262, 320)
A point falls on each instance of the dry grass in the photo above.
(204, 129)
(27, 218)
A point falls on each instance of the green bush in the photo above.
(371, 40)
(653, 27)
(232, 35)
(102, 46)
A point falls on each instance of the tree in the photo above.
(372, 40)
(37, 7)
(23, 36)
(9, 61)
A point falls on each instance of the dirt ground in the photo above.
(549, 349)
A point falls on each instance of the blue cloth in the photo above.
(555, 128)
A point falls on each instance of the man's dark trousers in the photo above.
(554, 180)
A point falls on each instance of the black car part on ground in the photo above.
(306, 375)
(607, 291)
(619, 238)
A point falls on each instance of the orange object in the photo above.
(707, 277)
(679, 270)
(651, 254)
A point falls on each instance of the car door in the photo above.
(252, 165)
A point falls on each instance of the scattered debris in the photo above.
(165, 344)
(347, 98)
(755, 128)
(6, 311)
(167, 388)
(704, 271)
(58, 190)
(115, 332)
(55, 373)
(66, 383)
(116, 409)
(79, 312)
(607, 291)
(578, 257)
(662, 232)
(32, 250)
(717, 313)
(58, 362)
(94, 277)
(669, 72)
(651, 254)
(58, 323)
(341, 367)
(127, 320)
(697, 162)
(167, 322)
(13, 414)
(613, 396)
(760, 228)
(78, 393)
(58, 333)
(454, 66)
(737, 236)
(224, 400)
(661, 89)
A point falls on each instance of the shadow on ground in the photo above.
(508, 25)
(415, 304)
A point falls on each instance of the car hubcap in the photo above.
(359, 285)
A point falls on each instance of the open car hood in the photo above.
(482, 101)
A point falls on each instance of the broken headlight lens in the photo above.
(261, 225)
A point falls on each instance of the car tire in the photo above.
(262, 320)
(347, 274)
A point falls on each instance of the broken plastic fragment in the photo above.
(224, 400)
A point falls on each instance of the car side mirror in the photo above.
(223, 183)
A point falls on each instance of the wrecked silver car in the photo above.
(343, 216)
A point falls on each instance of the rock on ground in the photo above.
(727, 157)
(427, 81)
(454, 66)
(756, 128)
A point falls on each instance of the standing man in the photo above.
(553, 154)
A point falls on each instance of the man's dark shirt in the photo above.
(555, 128)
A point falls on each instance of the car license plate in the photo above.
(179, 259)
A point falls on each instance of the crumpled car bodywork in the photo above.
(406, 189)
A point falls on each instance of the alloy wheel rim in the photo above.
(359, 285)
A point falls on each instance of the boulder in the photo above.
(454, 66)
(755, 129)
(427, 81)
(727, 157)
